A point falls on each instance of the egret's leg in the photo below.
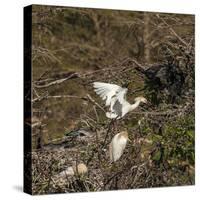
(108, 131)
(115, 124)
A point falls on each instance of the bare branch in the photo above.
(59, 81)
(94, 102)
(172, 30)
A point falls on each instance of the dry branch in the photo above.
(94, 102)
(172, 30)
(59, 81)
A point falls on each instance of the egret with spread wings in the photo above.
(115, 97)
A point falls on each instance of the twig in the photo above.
(98, 148)
(109, 127)
(95, 111)
(59, 81)
(58, 97)
(138, 64)
(86, 122)
(36, 92)
(39, 98)
(138, 173)
(118, 173)
(172, 30)
(50, 176)
(94, 102)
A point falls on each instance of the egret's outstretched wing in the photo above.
(106, 91)
(121, 95)
(118, 102)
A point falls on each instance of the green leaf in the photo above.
(157, 156)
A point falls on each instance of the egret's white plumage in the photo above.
(115, 97)
(118, 145)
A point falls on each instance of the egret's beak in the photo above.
(145, 101)
(129, 140)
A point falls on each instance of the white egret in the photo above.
(115, 97)
(118, 145)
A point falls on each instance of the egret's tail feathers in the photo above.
(111, 115)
